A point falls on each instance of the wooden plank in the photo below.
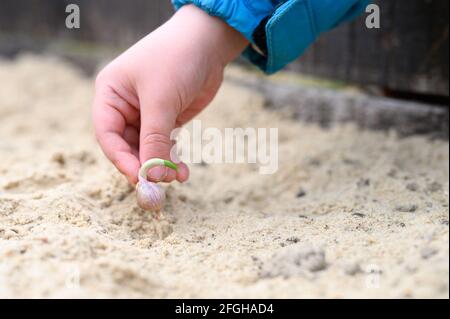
(328, 107)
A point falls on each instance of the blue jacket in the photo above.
(280, 30)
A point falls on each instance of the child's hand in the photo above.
(161, 83)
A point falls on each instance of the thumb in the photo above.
(157, 123)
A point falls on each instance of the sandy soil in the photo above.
(349, 214)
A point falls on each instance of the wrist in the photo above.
(215, 35)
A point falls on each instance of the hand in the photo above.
(159, 84)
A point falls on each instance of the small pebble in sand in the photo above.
(392, 173)
(428, 252)
(407, 208)
(294, 260)
(301, 193)
(434, 187)
(352, 269)
(293, 240)
(59, 158)
(228, 200)
(314, 162)
(413, 187)
(38, 195)
(359, 215)
(363, 182)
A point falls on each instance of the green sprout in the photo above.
(153, 163)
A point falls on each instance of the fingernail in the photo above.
(158, 174)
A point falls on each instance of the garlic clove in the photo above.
(150, 196)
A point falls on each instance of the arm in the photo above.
(280, 30)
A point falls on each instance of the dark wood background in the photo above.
(409, 53)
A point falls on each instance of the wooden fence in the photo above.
(408, 53)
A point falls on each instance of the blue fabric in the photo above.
(243, 15)
(292, 27)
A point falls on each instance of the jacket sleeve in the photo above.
(280, 30)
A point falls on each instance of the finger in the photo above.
(182, 173)
(110, 126)
(121, 155)
(157, 124)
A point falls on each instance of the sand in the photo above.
(350, 213)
